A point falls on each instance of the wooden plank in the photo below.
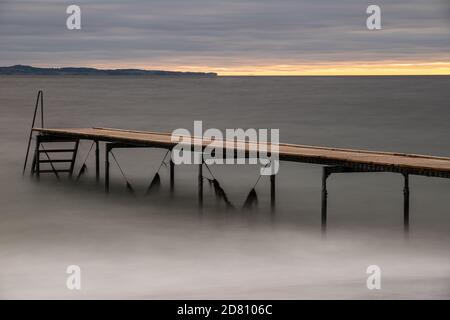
(289, 152)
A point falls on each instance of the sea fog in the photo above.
(158, 246)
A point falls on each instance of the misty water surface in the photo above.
(161, 247)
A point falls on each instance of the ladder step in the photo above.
(56, 150)
(55, 160)
(53, 171)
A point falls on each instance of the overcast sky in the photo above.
(215, 34)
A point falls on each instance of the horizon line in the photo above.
(387, 68)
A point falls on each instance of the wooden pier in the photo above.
(333, 160)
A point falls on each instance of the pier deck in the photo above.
(361, 159)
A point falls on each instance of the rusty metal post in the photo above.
(42, 108)
(325, 175)
(272, 193)
(97, 161)
(172, 177)
(37, 156)
(74, 157)
(406, 204)
(39, 98)
(200, 185)
(107, 149)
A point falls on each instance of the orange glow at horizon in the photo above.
(317, 69)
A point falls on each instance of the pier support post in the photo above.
(107, 150)
(74, 157)
(272, 193)
(406, 204)
(325, 175)
(172, 177)
(97, 161)
(36, 165)
(200, 185)
(33, 164)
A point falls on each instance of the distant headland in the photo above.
(81, 71)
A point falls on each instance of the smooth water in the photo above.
(161, 247)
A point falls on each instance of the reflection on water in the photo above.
(158, 246)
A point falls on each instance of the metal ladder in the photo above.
(41, 151)
(42, 155)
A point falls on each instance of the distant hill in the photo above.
(28, 70)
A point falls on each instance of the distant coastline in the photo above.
(81, 71)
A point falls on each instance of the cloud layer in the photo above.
(222, 34)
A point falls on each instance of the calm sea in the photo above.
(137, 246)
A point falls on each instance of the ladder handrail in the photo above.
(40, 97)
